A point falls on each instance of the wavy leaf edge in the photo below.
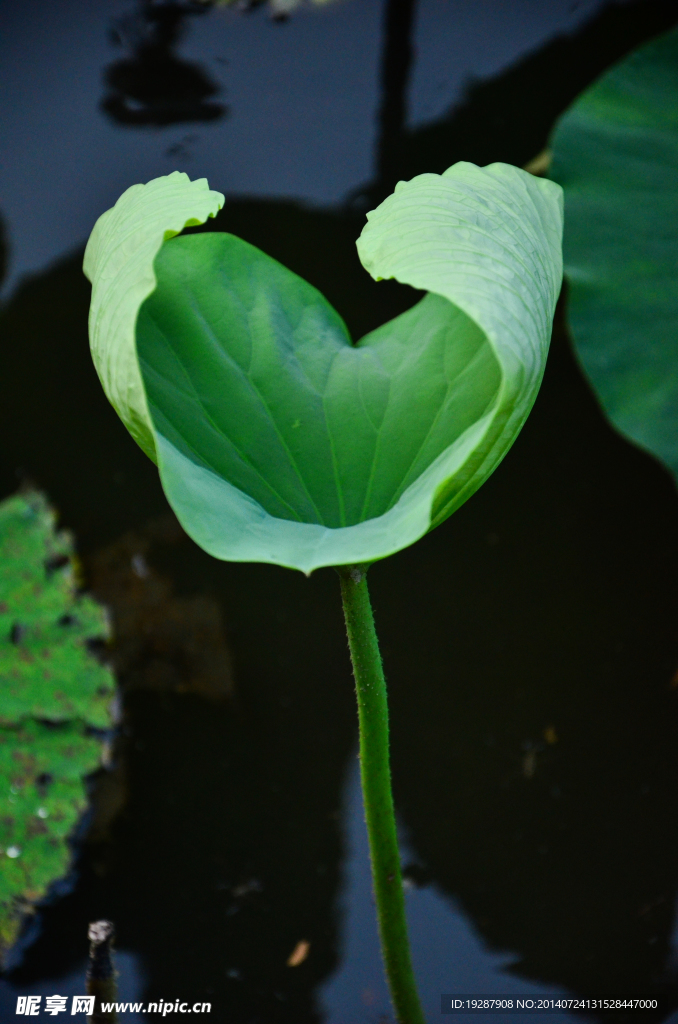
(119, 263)
(453, 224)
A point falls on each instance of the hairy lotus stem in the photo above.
(375, 775)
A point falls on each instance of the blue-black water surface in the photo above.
(301, 101)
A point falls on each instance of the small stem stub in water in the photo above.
(101, 974)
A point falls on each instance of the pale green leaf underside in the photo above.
(277, 440)
(119, 263)
(616, 156)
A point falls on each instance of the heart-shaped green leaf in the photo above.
(616, 156)
(280, 441)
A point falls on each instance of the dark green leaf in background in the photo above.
(616, 156)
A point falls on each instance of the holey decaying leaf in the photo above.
(277, 439)
(55, 705)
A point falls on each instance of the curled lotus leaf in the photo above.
(278, 439)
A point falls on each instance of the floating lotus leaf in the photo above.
(46, 668)
(42, 796)
(52, 692)
(277, 439)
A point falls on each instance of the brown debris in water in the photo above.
(160, 641)
(299, 953)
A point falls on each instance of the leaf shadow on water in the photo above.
(529, 645)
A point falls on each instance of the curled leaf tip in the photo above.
(487, 239)
(119, 263)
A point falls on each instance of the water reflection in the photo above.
(509, 116)
(153, 86)
(535, 727)
(449, 954)
(72, 983)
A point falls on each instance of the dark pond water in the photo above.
(530, 643)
